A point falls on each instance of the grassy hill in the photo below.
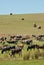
(12, 24)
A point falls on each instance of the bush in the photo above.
(37, 53)
(42, 54)
(36, 56)
(22, 19)
(11, 14)
(35, 25)
(39, 27)
(26, 56)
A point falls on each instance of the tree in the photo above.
(11, 14)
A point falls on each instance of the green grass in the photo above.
(14, 25)
(19, 62)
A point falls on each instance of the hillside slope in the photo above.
(12, 24)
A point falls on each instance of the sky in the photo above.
(21, 6)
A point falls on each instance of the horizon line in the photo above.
(20, 13)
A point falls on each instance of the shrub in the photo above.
(26, 56)
(35, 25)
(11, 14)
(36, 56)
(37, 53)
(42, 54)
(39, 27)
(22, 19)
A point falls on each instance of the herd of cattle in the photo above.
(16, 38)
(17, 48)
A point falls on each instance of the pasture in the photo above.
(31, 62)
(13, 24)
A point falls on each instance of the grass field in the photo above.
(30, 62)
(12, 24)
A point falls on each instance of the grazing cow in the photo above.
(41, 47)
(26, 37)
(33, 47)
(11, 42)
(40, 37)
(34, 36)
(18, 37)
(8, 48)
(17, 50)
(5, 49)
(13, 47)
(12, 37)
(3, 39)
(28, 42)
